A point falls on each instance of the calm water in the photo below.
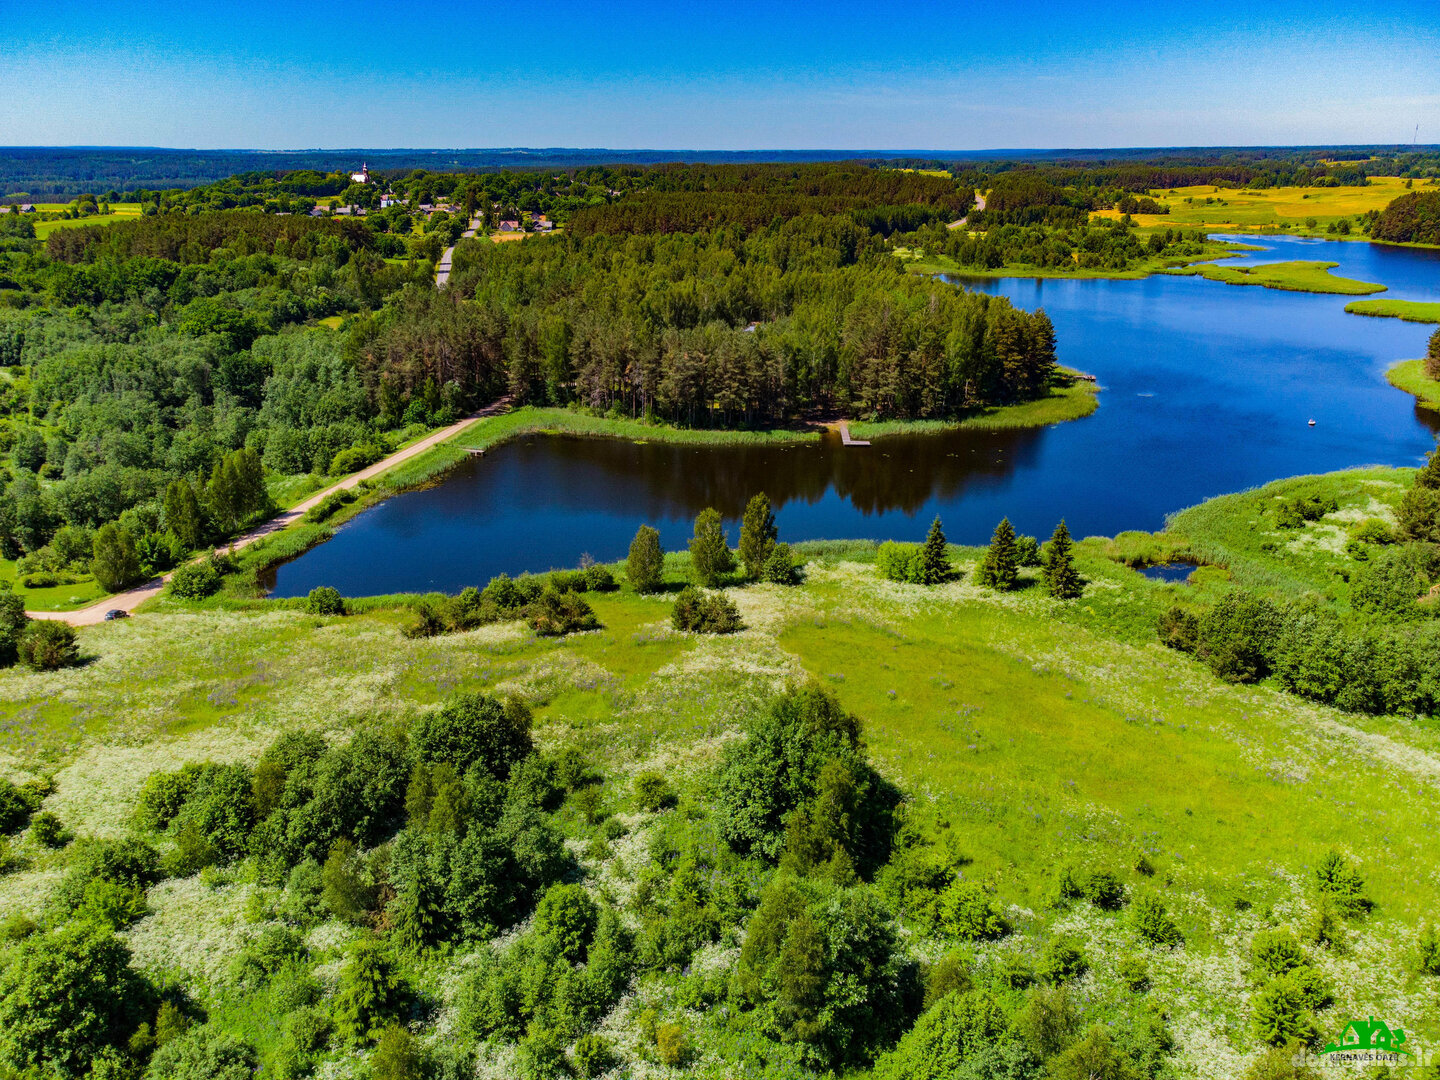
(1208, 388)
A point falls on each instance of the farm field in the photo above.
(118, 212)
(1032, 734)
(1238, 209)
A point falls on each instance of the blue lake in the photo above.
(1207, 388)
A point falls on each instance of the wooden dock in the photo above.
(845, 438)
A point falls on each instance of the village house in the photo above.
(509, 226)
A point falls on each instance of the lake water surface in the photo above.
(1207, 388)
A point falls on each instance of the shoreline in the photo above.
(1409, 376)
(281, 545)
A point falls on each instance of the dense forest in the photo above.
(1413, 218)
(166, 379)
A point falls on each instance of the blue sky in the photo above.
(723, 75)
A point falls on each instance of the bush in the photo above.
(779, 568)
(901, 562)
(49, 831)
(558, 613)
(1027, 551)
(368, 994)
(1340, 883)
(323, 600)
(1280, 1014)
(568, 916)
(1061, 961)
(195, 581)
(1134, 972)
(204, 1053)
(163, 795)
(1237, 636)
(1178, 629)
(1427, 952)
(1152, 923)
(672, 1045)
(599, 578)
(652, 792)
(48, 645)
(593, 1056)
(967, 913)
(397, 1056)
(697, 612)
(329, 506)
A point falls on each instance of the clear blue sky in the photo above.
(723, 74)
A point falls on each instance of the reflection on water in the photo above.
(1208, 388)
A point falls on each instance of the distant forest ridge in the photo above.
(44, 174)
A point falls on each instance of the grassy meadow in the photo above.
(1409, 375)
(118, 212)
(1420, 311)
(1241, 209)
(1031, 733)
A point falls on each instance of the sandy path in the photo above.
(133, 598)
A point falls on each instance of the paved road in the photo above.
(133, 598)
(443, 267)
(979, 205)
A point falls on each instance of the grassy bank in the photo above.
(1419, 311)
(921, 263)
(1072, 400)
(1030, 734)
(1409, 375)
(1297, 276)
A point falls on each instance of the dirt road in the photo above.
(133, 598)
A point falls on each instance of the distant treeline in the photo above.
(1410, 219)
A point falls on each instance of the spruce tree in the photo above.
(934, 565)
(646, 562)
(1000, 566)
(1061, 579)
(1432, 356)
(709, 553)
(758, 535)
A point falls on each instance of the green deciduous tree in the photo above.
(474, 728)
(1432, 356)
(1000, 567)
(1058, 570)
(645, 564)
(758, 535)
(114, 561)
(65, 996)
(710, 555)
(183, 514)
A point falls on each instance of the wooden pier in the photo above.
(845, 438)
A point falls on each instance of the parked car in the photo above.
(116, 613)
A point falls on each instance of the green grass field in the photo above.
(1298, 276)
(1238, 209)
(1032, 733)
(1409, 375)
(81, 594)
(118, 212)
(1409, 310)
